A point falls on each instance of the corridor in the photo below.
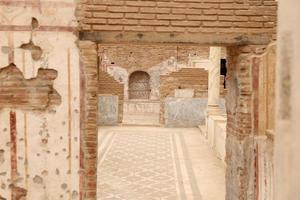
(153, 163)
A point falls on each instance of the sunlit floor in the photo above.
(153, 163)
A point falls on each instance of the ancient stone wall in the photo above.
(108, 85)
(186, 78)
(40, 100)
(178, 20)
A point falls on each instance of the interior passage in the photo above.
(152, 163)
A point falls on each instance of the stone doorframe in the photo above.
(240, 148)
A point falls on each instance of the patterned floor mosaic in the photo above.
(135, 165)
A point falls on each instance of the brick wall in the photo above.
(193, 78)
(108, 85)
(28, 94)
(88, 119)
(190, 17)
(136, 57)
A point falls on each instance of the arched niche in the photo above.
(139, 85)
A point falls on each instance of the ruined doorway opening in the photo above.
(139, 85)
(239, 114)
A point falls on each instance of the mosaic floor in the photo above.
(142, 164)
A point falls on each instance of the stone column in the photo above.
(214, 77)
(287, 124)
(213, 91)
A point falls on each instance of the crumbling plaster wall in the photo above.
(108, 85)
(121, 60)
(188, 78)
(39, 150)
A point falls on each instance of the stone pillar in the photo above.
(240, 157)
(88, 120)
(287, 125)
(214, 77)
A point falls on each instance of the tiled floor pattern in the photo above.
(145, 164)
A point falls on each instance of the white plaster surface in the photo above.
(287, 137)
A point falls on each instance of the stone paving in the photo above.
(145, 163)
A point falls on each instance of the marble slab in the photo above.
(108, 109)
(137, 112)
(185, 112)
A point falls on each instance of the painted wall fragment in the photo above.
(36, 51)
(18, 193)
